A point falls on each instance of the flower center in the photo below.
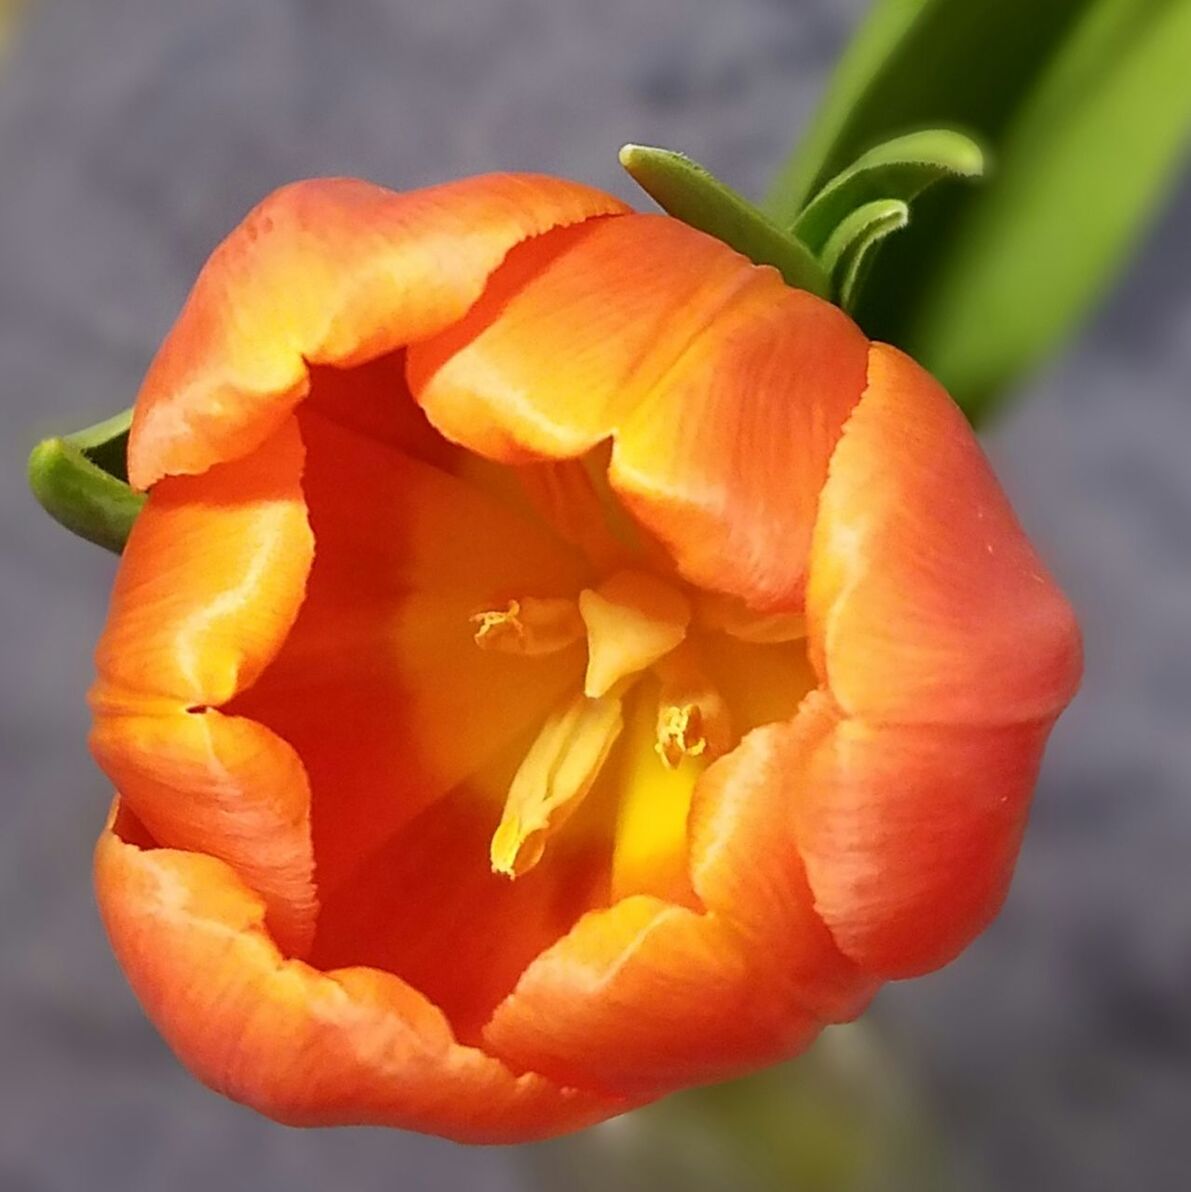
(634, 624)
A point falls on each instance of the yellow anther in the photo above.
(680, 734)
(560, 768)
(633, 619)
(500, 629)
(693, 718)
(532, 626)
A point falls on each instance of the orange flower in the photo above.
(557, 663)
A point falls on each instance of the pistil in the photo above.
(633, 619)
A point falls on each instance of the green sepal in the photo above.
(848, 253)
(898, 169)
(684, 189)
(79, 480)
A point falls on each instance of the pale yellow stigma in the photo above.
(559, 770)
(633, 619)
(531, 626)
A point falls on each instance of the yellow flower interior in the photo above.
(653, 705)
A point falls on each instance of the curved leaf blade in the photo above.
(849, 252)
(1085, 105)
(686, 190)
(1079, 175)
(890, 26)
(898, 169)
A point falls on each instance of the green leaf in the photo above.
(912, 64)
(897, 169)
(848, 253)
(1085, 106)
(1088, 160)
(687, 191)
(80, 481)
(876, 44)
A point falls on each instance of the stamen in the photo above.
(560, 768)
(680, 734)
(531, 626)
(632, 620)
(693, 717)
(733, 617)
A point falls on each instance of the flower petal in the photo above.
(327, 271)
(644, 998)
(724, 461)
(910, 833)
(746, 864)
(305, 1047)
(648, 996)
(571, 333)
(725, 389)
(209, 585)
(926, 602)
(373, 400)
(226, 786)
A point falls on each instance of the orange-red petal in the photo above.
(226, 786)
(210, 582)
(724, 389)
(571, 333)
(209, 586)
(926, 602)
(910, 833)
(746, 865)
(373, 400)
(647, 997)
(328, 271)
(306, 1047)
(724, 461)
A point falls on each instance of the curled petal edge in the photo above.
(305, 1047)
(328, 271)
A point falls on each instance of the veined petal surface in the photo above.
(209, 587)
(723, 389)
(927, 602)
(329, 271)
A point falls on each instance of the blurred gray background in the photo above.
(135, 133)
